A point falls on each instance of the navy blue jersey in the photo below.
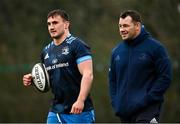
(61, 62)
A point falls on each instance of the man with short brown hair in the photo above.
(139, 73)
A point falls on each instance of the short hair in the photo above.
(59, 12)
(133, 14)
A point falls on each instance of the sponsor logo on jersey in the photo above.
(65, 50)
(59, 65)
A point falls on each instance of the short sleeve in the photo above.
(81, 51)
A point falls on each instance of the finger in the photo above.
(26, 80)
(28, 76)
(72, 110)
(76, 111)
(80, 111)
(26, 83)
(29, 83)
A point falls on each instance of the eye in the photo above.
(48, 23)
(120, 26)
(123, 26)
(54, 22)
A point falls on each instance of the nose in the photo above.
(51, 26)
(121, 29)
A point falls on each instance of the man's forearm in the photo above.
(86, 84)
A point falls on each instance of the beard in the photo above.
(58, 36)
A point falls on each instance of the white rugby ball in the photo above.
(40, 77)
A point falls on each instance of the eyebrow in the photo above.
(52, 22)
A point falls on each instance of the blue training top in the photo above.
(61, 63)
(139, 75)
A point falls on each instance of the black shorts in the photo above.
(150, 114)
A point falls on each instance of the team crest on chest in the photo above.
(65, 50)
(54, 61)
(143, 56)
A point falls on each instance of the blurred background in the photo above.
(23, 34)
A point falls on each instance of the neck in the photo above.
(61, 39)
(137, 33)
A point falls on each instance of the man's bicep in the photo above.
(85, 66)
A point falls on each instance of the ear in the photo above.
(67, 24)
(137, 26)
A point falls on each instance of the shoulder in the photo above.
(70, 39)
(48, 46)
(154, 44)
(77, 42)
(154, 41)
(44, 52)
(157, 49)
